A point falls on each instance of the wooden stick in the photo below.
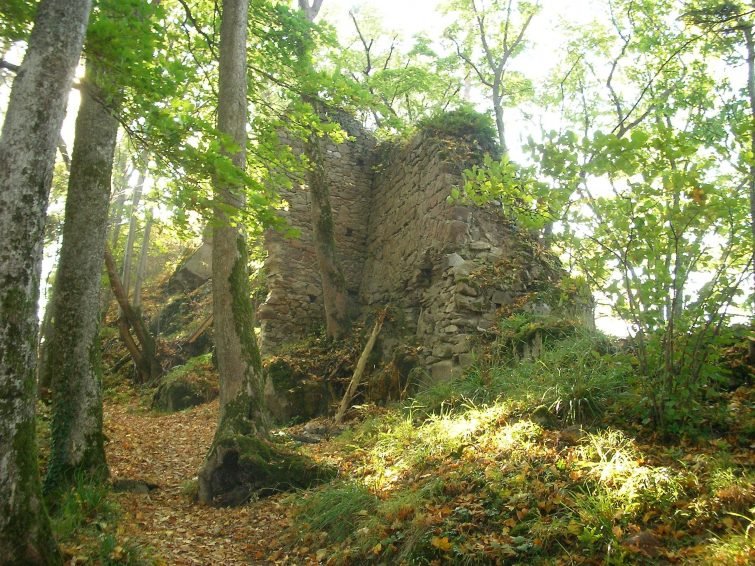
(201, 330)
(359, 370)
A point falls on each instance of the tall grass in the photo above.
(576, 378)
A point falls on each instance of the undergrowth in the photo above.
(535, 461)
(85, 518)
(85, 523)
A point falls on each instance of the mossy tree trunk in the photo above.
(241, 459)
(241, 384)
(73, 356)
(27, 152)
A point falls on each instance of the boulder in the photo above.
(189, 385)
(292, 394)
(193, 272)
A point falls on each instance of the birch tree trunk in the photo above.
(73, 364)
(27, 153)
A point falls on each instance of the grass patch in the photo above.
(337, 509)
(467, 473)
(85, 525)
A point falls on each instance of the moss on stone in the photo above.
(282, 374)
(188, 385)
(466, 124)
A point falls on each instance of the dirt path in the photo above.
(167, 450)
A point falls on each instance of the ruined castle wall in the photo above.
(294, 305)
(424, 253)
(443, 269)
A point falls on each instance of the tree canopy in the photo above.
(616, 138)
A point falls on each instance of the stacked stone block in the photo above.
(402, 244)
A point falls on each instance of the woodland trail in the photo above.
(167, 450)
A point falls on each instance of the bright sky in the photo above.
(413, 16)
(545, 37)
(423, 16)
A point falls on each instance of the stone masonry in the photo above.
(401, 244)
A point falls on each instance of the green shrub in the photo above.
(576, 378)
(85, 517)
(464, 123)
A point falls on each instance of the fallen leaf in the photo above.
(441, 543)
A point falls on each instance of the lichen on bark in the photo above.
(27, 151)
(73, 352)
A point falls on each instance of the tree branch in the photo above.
(609, 82)
(310, 10)
(9, 66)
(483, 36)
(508, 51)
(189, 16)
(367, 46)
(471, 64)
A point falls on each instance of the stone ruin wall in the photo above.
(294, 307)
(401, 244)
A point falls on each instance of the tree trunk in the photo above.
(240, 460)
(45, 328)
(128, 250)
(73, 354)
(239, 364)
(120, 184)
(499, 123)
(43, 340)
(359, 370)
(27, 153)
(751, 181)
(145, 353)
(141, 267)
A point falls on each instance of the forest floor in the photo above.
(166, 450)
(480, 485)
(503, 466)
